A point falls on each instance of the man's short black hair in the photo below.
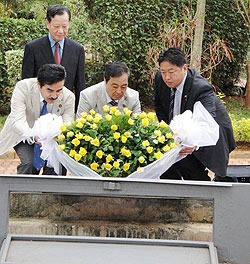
(115, 69)
(173, 55)
(57, 10)
(50, 74)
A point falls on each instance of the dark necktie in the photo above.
(113, 103)
(171, 104)
(57, 55)
(37, 161)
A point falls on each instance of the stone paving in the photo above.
(9, 161)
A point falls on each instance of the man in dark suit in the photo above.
(57, 48)
(185, 86)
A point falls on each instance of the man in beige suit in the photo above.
(113, 91)
(28, 99)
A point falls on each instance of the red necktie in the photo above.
(57, 55)
(113, 103)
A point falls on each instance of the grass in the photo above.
(237, 108)
(2, 120)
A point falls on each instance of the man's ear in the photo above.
(105, 81)
(47, 23)
(185, 67)
(38, 84)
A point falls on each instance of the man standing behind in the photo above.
(57, 48)
(177, 89)
(113, 91)
(31, 98)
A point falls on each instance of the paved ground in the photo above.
(9, 161)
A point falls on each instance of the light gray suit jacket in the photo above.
(25, 110)
(94, 97)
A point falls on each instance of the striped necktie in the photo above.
(171, 104)
(113, 103)
(37, 161)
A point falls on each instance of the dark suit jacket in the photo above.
(196, 88)
(38, 52)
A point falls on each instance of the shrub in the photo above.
(14, 60)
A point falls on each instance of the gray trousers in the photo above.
(25, 153)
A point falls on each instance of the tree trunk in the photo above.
(247, 101)
(195, 62)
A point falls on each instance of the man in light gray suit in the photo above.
(113, 91)
(28, 100)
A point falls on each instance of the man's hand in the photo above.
(37, 140)
(187, 150)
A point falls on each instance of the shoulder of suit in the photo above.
(37, 41)
(72, 42)
(131, 92)
(94, 88)
(67, 92)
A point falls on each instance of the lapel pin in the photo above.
(185, 97)
(60, 106)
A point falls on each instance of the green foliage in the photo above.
(224, 20)
(14, 65)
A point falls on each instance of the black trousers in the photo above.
(189, 168)
(25, 153)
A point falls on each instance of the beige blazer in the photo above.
(25, 110)
(95, 98)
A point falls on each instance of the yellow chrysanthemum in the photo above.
(107, 166)
(94, 126)
(150, 149)
(116, 164)
(61, 137)
(135, 115)
(130, 121)
(145, 122)
(145, 143)
(90, 118)
(126, 166)
(105, 108)
(94, 166)
(70, 134)
(108, 117)
(97, 119)
(126, 152)
(87, 138)
(72, 153)
(172, 145)
(92, 111)
(151, 116)
(83, 151)
(79, 136)
(109, 158)
(76, 142)
(158, 155)
(161, 139)
(61, 147)
(163, 124)
(83, 120)
(157, 133)
(116, 135)
(113, 109)
(97, 115)
(117, 112)
(63, 128)
(84, 114)
(143, 115)
(166, 148)
(67, 124)
(169, 135)
(77, 156)
(99, 154)
(141, 159)
(95, 142)
(127, 134)
(127, 111)
(114, 127)
(79, 125)
(139, 168)
(124, 139)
